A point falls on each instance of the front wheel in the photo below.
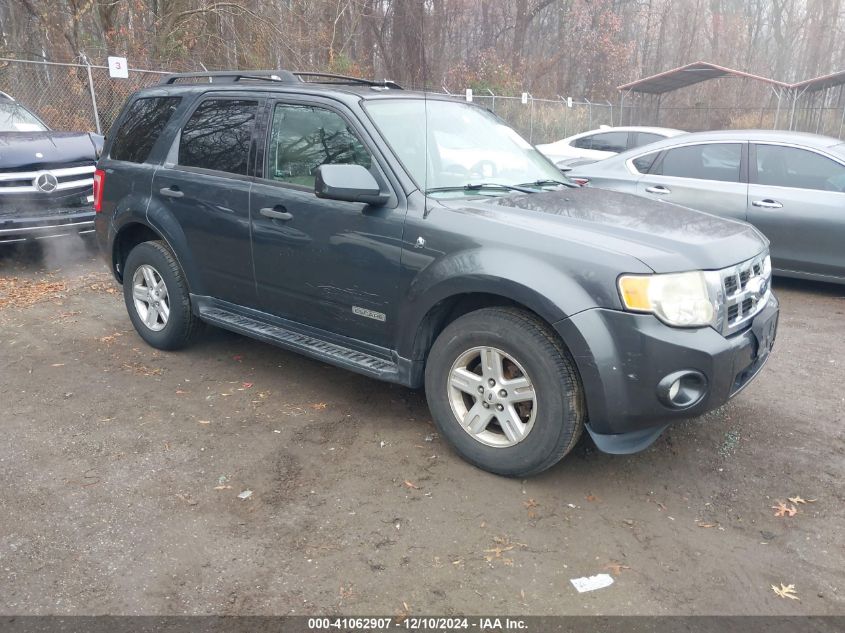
(504, 391)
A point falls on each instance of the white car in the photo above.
(605, 142)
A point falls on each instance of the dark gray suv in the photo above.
(420, 240)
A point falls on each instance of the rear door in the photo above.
(703, 176)
(205, 184)
(797, 199)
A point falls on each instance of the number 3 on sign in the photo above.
(118, 67)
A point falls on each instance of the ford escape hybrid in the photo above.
(420, 240)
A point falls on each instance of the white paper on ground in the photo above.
(591, 583)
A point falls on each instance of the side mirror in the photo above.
(350, 183)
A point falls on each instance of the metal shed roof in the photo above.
(690, 74)
(821, 83)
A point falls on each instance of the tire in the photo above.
(537, 377)
(173, 325)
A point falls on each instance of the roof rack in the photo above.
(279, 76)
(346, 79)
(232, 76)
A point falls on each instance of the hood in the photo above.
(665, 237)
(45, 150)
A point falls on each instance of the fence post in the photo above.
(492, 94)
(93, 94)
(531, 119)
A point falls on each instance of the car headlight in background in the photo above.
(678, 299)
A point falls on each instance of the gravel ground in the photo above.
(121, 469)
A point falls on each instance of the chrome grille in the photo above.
(66, 178)
(746, 288)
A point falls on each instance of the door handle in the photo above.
(658, 189)
(171, 192)
(276, 213)
(767, 203)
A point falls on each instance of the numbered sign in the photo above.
(469, 94)
(118, 67)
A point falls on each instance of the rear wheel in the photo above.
(157, 298)
(504, 391)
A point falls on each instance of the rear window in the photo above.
(218, 134)
(141, 128)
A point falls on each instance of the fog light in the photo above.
(682, 389)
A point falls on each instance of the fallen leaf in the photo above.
(591, 497)
(319, 406)
(783, 510)
(800, 500)
(237, 357)
(615, 568)
(204, 421)
(246, 385)
(786, 591)
(409, 484)
(57, 365)
(180, 392)
(701, 524)
(222, 487)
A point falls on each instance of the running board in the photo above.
(307, 345)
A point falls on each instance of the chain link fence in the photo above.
(83, 97)
(72, 97)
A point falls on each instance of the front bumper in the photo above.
(622, 358)
(47, 223)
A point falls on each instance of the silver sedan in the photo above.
(789, 185)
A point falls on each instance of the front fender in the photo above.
(523, 279)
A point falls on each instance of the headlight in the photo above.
(679, 299)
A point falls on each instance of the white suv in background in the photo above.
(603, 143)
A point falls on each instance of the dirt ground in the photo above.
(121, 466)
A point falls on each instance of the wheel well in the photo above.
(451, 308)
(128, 238)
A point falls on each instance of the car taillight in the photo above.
(579, 181)
(99, 181)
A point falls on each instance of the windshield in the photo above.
(15, 118)
(469, 150)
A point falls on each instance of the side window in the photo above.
(611, 142)
(585, 142)
(217, 136)
(141, 128)
(304, 137)
(644, 163)
(799, 168)
(711, 161)
(644, 138)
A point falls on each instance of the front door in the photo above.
(323, 263)
(703, 176)
(797, 199)
(205, 185)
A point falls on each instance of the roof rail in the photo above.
(282, 76)
(232, 76)
(7, 96)
(346, 79)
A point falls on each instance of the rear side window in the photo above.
(141, 128)
(644, 138)
(218, 134)
(611, 142)
(644, 163)
(711, 161)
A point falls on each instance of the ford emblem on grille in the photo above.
(46, 182)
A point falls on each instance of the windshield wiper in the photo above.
(544, 183)
(480, 186)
